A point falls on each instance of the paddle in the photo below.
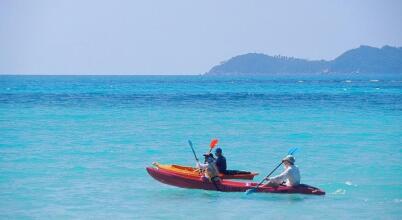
(254, 189)
(192, 148)
(213, 143)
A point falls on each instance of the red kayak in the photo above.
(190, 182)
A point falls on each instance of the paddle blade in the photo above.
(213, 143)
(249, 191)
(292, 150)
(190, 143)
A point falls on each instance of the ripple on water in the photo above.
(398, 200)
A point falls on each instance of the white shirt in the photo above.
(291, 176)
(210, 168)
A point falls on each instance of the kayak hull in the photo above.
(190, 171)
(190, 182)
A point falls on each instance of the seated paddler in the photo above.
(209, 167)
(222, 166)
(220, 161)
(289, 177)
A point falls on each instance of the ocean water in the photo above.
(77, 146)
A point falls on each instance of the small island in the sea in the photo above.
(362, 60)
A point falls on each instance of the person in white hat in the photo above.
(210, 170)
(290, 176)
(209, 167)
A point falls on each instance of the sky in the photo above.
(182, 36)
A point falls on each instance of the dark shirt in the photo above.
(221, 164)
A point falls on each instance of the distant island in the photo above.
(362, 60)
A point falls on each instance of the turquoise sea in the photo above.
(76, 147)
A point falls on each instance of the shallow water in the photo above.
(77, 146)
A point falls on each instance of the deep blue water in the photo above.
(77, 146)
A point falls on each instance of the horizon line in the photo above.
(97, 74)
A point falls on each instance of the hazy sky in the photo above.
(182, 37)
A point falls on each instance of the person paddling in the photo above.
(210, 170)
(220, 161)
(290, 176)
(222, 166)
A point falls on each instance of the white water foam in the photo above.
(339, 192)
(349, 183)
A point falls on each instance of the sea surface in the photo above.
(76, 147)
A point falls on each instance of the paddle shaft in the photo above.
(210, 150)
(268, 175)
(192, 149)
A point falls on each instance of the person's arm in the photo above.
(279, 178)
(218, 164)
(202, 166)
(224, 166)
